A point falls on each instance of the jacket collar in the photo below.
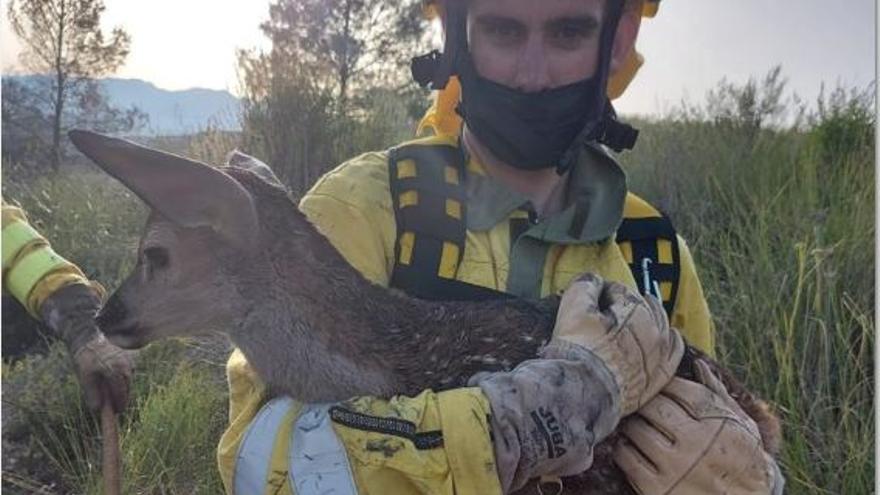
(594, 199)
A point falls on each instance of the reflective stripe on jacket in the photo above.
(285, 436)
(32, 271)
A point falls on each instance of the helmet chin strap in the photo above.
(434, 69)
(607, 130)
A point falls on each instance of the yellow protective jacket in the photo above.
(32, 271)
(352, 207)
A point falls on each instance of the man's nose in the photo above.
(533, 71)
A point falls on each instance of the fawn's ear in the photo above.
(186, 192)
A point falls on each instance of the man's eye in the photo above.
(571, 35)
(569, 32)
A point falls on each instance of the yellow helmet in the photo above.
(441, 118)
(431, 8)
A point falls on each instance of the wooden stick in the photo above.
(110, 459)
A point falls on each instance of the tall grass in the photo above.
(168, 433)
(782, 226)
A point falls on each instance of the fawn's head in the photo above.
(202, 228)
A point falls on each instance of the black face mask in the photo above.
(532, 130)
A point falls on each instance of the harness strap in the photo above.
(425, 179)
(650, 247)
(430, 209)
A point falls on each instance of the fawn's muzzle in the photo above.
(114, 322)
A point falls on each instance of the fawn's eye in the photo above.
(156, 258)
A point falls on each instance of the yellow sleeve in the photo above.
(691, 315)
(351, 206)
(32, 271)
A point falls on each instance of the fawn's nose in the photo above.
(111, 315)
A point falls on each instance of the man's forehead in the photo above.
(536, 11)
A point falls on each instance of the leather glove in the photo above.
(103, 370)
(629, 333)
(694, 438)
(549, 413)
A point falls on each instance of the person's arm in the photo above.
(32, 271)
(56, 292)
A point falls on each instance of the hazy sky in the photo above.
(691, 45)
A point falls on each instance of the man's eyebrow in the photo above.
(494, 20)
(587, 22)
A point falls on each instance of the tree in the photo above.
(63, 39)
(351, 45)
(27, 117)
(24, 122)
(314, 98)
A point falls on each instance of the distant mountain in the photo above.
(176, 112)
(172, 112)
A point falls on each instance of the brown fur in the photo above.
(315, 329)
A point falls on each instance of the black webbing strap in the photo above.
(431, 226)
(428, 222)
(643, 234)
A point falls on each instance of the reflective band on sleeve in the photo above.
(318, 461)
(255, 452)
(29, 270)
(16, 236)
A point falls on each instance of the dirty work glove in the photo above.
(549, 413)
(103, 370)
(627, 332)
(694, 438)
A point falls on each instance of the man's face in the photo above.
(532, 45)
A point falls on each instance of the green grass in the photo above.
(782, 227)
(87, 216)
(781, 222)
(168, 433)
